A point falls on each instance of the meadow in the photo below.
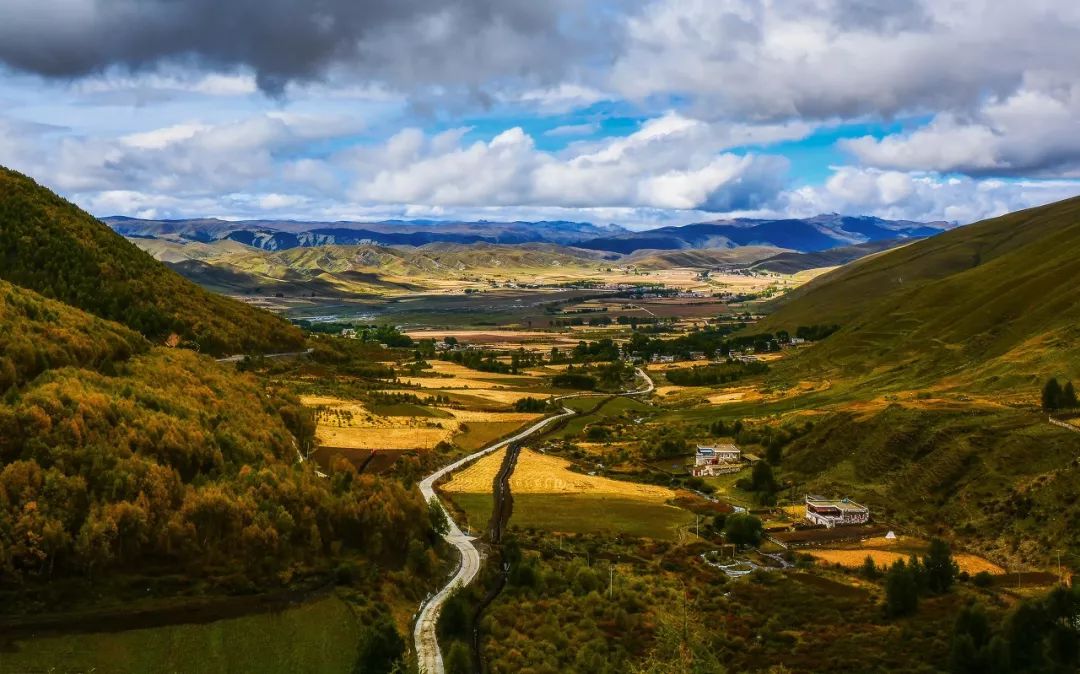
(321, 636)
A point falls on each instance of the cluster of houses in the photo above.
(722, 459)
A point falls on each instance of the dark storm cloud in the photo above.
(402, 42)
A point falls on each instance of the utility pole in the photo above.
(611, 580)
(697, 525)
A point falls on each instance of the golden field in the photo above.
(348, 424)
(538, 473)
(884, 558)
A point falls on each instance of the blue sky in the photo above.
(638, 112)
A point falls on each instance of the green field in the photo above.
(608, 410)
(320, 636)
(580, 513)
(477, 509)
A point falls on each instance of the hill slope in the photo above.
(49, 245)
(707, 258)
(793, 263)
(121, 463)
(993, 303)
(226, 266)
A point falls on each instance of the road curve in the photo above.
(425, 637)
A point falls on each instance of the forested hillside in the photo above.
(49, 245)
(38, 334)
(992, 304)
(121, 458)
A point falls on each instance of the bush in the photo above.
(743, 529)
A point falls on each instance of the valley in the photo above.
(456, 456)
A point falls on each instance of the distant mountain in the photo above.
(228, 267)
(707, 258)
(806, 235)
(52, 247)
(285, 234)
(993, 304)
(792, 263)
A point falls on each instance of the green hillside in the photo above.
(51, 246)
(992, 305)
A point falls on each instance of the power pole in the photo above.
(611, 580)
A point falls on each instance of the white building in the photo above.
(835, 512)
(717, 460)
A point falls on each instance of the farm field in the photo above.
(349, 424)
(550, 496)
(321, 635)
(854, 558)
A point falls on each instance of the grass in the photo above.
(477, 508)
(599, 411)
(598, 513)
(542, 474)
(854, 558)
(985, 306)
(320, 636)
(409, 410)
(478, 477)
(482, 433)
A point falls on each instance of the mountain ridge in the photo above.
(814, 234)
(50, 246)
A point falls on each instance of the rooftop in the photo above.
(839, 504)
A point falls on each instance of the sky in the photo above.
(636, 112)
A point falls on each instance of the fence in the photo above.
(1063, 424)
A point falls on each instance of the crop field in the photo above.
(478, 477)
(608, 410)
(479, 434)
(548, 495)
(542, 474)
(600, 513)
(348, 424)
(882, 558)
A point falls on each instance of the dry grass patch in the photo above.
(542, 474)
(478, 477)
(348, 424)
(885, 558)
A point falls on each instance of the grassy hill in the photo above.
(699, 259)
(228, 267)
(790, 262)
(987, 306)
(49, 245)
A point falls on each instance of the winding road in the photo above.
(425, 636)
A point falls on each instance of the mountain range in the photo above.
(815, 234)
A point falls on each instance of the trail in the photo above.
(425, 636)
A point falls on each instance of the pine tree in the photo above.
(1068, 397)
(901, 590)
(1051, 395)
(939, 567)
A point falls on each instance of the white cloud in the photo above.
(1028, 133)
(922, 196)
(670, 162)
(776, 60)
